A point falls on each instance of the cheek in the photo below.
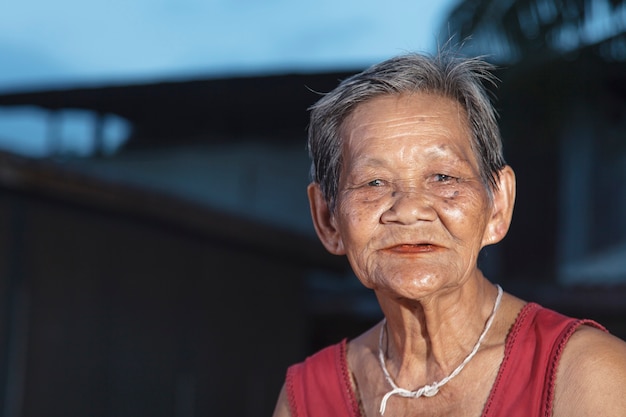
(452, 203)
(358, 208)
(467, 209)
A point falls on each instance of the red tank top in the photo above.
(320, 385)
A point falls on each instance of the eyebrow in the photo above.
(438, 152)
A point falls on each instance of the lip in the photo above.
(412, 248)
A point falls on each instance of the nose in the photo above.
(409, 206)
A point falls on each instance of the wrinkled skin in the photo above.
(412, 213)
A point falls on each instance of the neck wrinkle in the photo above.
(426, 343)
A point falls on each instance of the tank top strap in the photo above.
(525, 383)
(320, 385)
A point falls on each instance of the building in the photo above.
(179, 274)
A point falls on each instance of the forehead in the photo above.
(418, 117)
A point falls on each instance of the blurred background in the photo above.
(156, 252)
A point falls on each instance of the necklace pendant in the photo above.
(430, 390)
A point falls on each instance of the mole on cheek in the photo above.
(451, 197)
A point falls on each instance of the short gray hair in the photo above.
(459, 78)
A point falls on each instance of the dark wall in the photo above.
(538, 104)
(112, 315)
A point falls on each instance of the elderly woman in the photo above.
(409, 183)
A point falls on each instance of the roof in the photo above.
(54, 182)
(273, 107)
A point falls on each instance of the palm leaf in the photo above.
(518, 28)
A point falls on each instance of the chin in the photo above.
(414, 287)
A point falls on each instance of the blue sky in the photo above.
(56, 42)
(66, 43)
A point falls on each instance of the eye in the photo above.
(443, 178)
(376, 183)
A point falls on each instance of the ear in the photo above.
(502, 209)
(324, 221)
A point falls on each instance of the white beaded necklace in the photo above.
(430, 390)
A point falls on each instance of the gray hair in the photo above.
(445, 74)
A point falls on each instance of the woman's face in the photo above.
(412, 212)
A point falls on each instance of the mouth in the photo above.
(413, 248)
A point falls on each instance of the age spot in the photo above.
(451, 197)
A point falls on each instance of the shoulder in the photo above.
(364, 344)
(591, 376)
(282, 405)
(305, 379)
(306, 376)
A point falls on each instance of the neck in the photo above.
(427, 339)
